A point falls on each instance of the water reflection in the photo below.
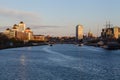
(22, 69)
(29, 48)
(22, 60)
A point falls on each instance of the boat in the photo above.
(81, 44)
(112, 46)
(50, 44)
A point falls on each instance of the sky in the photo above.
(59, 17)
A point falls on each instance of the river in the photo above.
(59, 62)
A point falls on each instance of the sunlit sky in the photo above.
(59, 17)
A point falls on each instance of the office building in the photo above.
(79, 32)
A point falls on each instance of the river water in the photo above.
(59, 62)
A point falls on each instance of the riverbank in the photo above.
(108, 46)
(21, 45)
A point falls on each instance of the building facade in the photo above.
(29, 33)
(111, 32)
(39, 37)
(19, 32)
(90, 34)
(22, 26)
(79, 32)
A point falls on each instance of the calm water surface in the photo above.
(59, 62)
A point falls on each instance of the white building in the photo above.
(17, 31)
(9, 33)
(79, 32)
(15, 27)
(22, 26)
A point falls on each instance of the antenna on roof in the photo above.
(108, 24)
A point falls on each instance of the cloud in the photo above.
(44, 26)
(20, 15)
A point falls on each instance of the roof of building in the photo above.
(38, 35)
(79, 25)
(8, 29)
(21, 22)
(15, 25)
(28, 28)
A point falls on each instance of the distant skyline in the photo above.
(59, 17)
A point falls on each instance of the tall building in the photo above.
(79, 32)
(22, 26)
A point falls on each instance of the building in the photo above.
(29, 33)
(38, 37)
(19, 32)
(21, 26)
(7, 32)
(90, 34)
(79, 32)
(113, 32)
(21, 35)
(116, 32)
(10, 33)
(15, 27)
